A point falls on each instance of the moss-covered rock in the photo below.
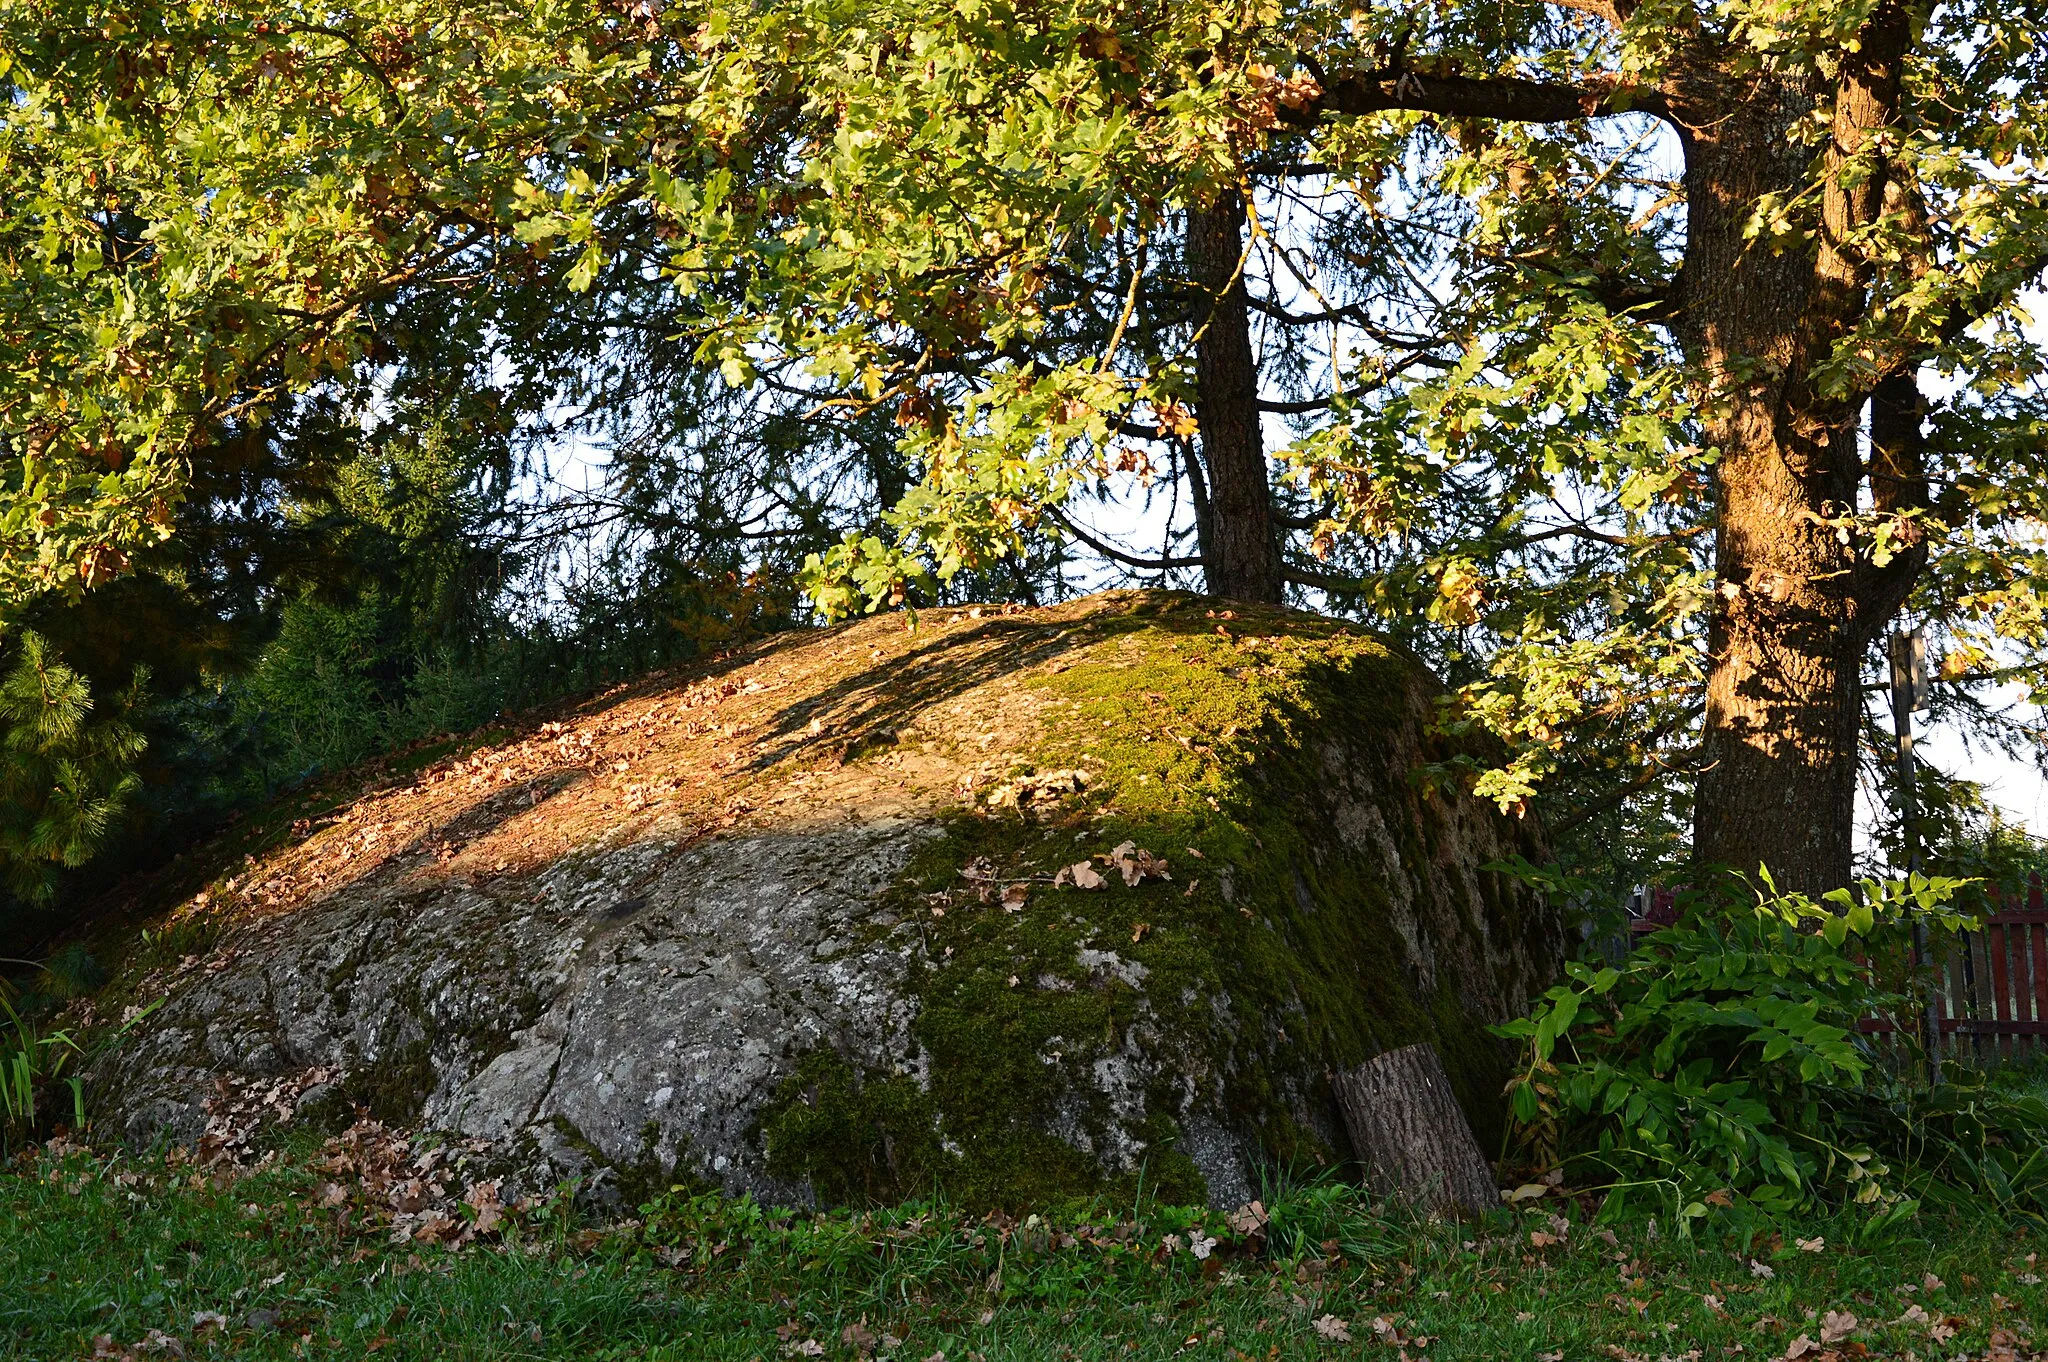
(1013, 905)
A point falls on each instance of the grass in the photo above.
(111, 1257)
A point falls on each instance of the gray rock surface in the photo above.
(616, 969)
(640, 1003)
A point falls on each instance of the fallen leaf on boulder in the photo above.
(1081, 875)
(1046, 788)
(1137, 865)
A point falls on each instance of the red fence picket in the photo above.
(1994, 994)
(1993, 983)
(1993, 986)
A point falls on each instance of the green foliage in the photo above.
(65, 772)
(1723, 1057)
(204, 207)
(35, 1063)
(1515, 440)
(31, 1063)
(1979, 1141)
(40, 1081)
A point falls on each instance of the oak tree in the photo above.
(1666, 349)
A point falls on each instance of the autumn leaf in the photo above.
(1081, 875)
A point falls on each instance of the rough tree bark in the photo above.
(1797, 603)
(1408, 1130)
(1242, 551)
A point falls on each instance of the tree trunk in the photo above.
(1795, 605)
(1242, 549)
(1784, 695)
(1409, 1132)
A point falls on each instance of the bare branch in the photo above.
(1507, 98)
(1148, 564)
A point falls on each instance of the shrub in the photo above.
(1721, 1063)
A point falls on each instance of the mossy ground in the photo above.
(149, 1256)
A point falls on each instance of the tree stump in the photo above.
(1406, 1127)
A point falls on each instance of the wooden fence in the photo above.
(1993, 998)
(1993, 994)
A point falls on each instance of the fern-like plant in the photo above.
(1722, 1062)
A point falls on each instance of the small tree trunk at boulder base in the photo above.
(1409, 1132)
(1242, 550)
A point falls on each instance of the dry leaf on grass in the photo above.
(1333, 1329)
(1249, 1218)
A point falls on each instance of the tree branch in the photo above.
(1313, 403)
(1322, 581)
(1615, 12)
(1507, 98)
(1148, 564)
(1988, 300)
(1643, 780)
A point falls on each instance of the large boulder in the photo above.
(1012, 903)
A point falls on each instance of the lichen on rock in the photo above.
(817, 923)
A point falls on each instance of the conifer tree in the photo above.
(66, 773)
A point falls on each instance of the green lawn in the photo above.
(145, 1258)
